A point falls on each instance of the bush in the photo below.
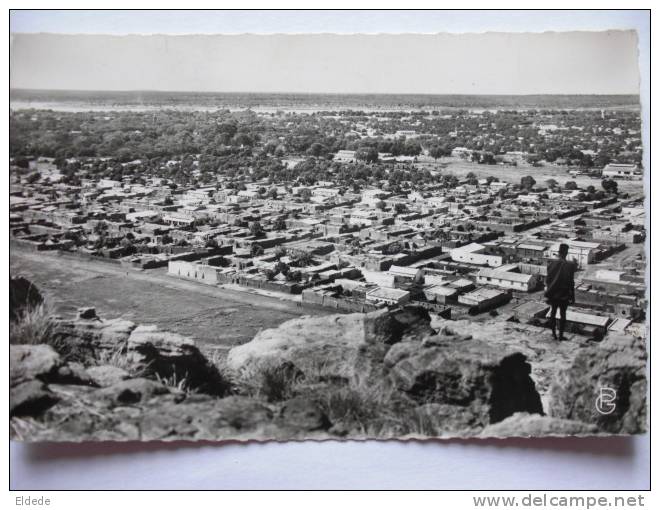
(34, 326)
(373, 409)
(272, 382)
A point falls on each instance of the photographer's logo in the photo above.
(605, 402)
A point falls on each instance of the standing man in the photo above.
(560, 288)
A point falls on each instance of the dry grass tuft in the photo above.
(272, 382)
(35, 326)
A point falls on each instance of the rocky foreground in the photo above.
(384, 374)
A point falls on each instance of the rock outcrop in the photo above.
(488, 383)
(545, 355)
(29, 362)
(535, 425)
(107, 375)
(30, 398)
(390, 373)
(615, 370)
(145, 350)
(466, 382)
(334, 346)
(170, 356)
(31, 369)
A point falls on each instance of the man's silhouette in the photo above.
(560, 289)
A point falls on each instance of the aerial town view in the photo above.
(239, 266)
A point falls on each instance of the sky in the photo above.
(586, 62)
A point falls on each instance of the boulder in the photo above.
(171, 356)
(87, 313)
(446, 420)
(391, 326)
(107, 375)
(23, 295)
(545, 355)
(73, 373)
(80, 414)
(489, 382)
(28, 362)
(534, 425)
(305, 414)
(615, 371)
(30, 398)
(202, 417)
(143, 349)
(334, 346)
(91, 341)
(131, 391)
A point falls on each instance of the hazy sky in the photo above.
(492, 63)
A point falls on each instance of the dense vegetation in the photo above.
(198, 146)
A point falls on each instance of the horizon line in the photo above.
(636, 94)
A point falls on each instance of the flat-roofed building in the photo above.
(622, 171)
(508, 280)
(588, 323)
(178, 219)
(583, 252)
(440, 293)
(345, 156)
(403, 274)
(473, 253)
(388, 296)
(484, 299)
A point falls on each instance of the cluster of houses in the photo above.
(477, 248)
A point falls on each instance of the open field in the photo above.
(213, 316)
(512, 174)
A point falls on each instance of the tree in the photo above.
(100, 227)
(303, 259)
(281, 267)
(488, 158)
(256, 229)
(279, 224)
(211, 243)
(366, 154)
(400, 208)
(551, 183)
(256, 250)
(393, 248)
(294, 276)
(472, 179)
(126, 243)
(305, 194)
(570, 185)
(438, 151)
(527, 182)
(316, 149)
(610, 185)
